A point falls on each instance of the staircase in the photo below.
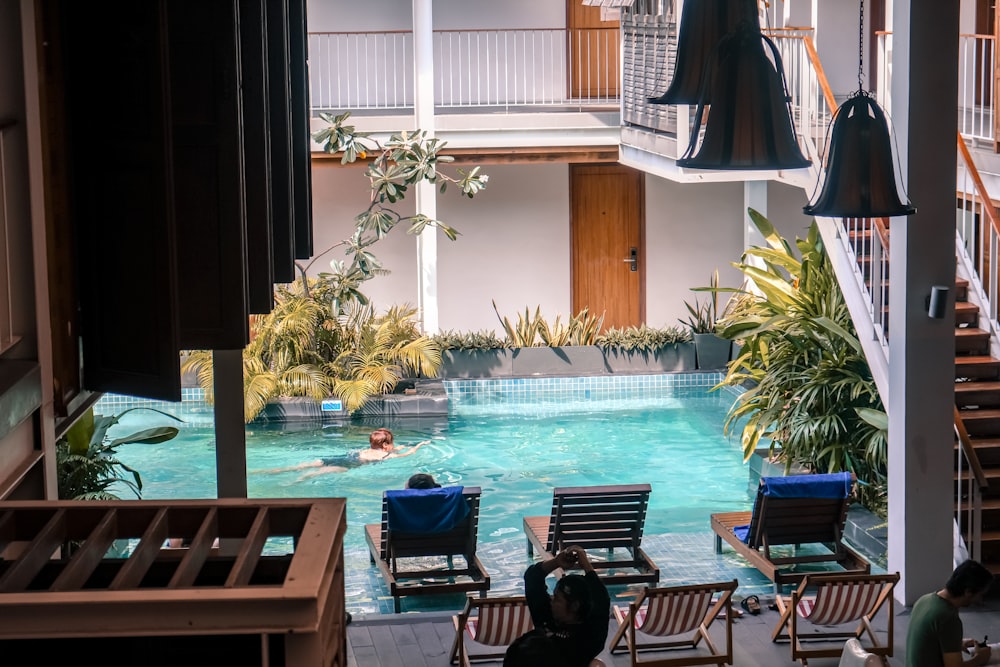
(977, 400)
(977, 397)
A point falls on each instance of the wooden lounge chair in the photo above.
(387, 545)
(491, 625)
(680, 617)
(597, 517)
(797, 510)
(835, 601)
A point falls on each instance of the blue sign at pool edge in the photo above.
(331, 405)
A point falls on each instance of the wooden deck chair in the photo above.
(597, 517)
(835, 601)
(427, 536)
(489, 623)
(796, 510)
(669, 614)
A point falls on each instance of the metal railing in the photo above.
(976, 63)
(554, 67)
(978, 234)
(866, 241)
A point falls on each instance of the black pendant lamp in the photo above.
(859, 180)
(703, 24)
(750, 122)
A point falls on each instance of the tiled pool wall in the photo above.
(469, 394)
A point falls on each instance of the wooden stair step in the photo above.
(981, 393)
(971, 339)
(966, 313)
(987, 450)
(977, 367)
(982, 423)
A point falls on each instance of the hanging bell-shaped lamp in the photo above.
(860, 180)
(750, 122)
(703, 24)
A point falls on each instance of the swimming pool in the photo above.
(516, 439)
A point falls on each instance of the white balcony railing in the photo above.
(472, 68)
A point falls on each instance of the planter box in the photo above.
(459, 364)
(676, 357)
(713, 352)
(570, 360)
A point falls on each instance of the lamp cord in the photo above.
(861, 44)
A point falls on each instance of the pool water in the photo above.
(516, 453)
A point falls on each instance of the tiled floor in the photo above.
(425, 639)
(682, 558)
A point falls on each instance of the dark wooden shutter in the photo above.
(121, 200)
(256, 156)
(280, 123)
(208, 173)
(298, 69)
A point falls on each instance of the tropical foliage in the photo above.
(703, 315)
(313, 344)
(406, 159)
(470, 340)
(812, 398)
(534, 330)
(643, 338)
(87, 463)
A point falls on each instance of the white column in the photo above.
(755, 197)
(922, 350)
(426, 193)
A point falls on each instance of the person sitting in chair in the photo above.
(574, 618)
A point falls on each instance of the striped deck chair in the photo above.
(489, 623)
(835, 601)
(668, 614)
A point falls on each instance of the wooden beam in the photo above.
(523, 155)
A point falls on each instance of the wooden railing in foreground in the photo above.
(271, 592)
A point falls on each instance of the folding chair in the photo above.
(671, 612)
(489, 622)
(837, 600)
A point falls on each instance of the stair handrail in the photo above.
(972, 516)
(817, 66)
(989, 212)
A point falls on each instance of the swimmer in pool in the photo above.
(381, 448)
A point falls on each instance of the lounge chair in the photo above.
(597, 517)
(671, 613)
(835, 601)
(419, 523)
(491, 625)
(796, 510)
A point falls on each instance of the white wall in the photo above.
(376, 15)
(514, 248)
(784, 210)
(691, 229)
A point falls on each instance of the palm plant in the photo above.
(812, 396)
(314, 345)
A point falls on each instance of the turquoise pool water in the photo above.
(517, 446)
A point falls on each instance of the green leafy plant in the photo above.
(524, 333)
(473, 340)
(533, 330)
(405, 159)
(312, 344)
(812, 397)
(87, 463)
(643, 339)
(703, 316)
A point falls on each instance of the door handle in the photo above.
(633, 259)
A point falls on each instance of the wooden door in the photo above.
(592, 60)
(606, 231)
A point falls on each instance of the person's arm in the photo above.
(536, 592)
(409, 450)
(600, 601)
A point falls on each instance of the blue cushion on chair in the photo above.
(426, 510)
(833, 485)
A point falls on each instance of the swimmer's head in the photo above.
(381, 438)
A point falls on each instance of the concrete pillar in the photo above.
(922, 350)
(426, 193)
(230, 430)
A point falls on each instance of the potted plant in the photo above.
(541, 348)
(647, 349)
(712, 351)
(476, 354)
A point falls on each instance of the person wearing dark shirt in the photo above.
(574, 619)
